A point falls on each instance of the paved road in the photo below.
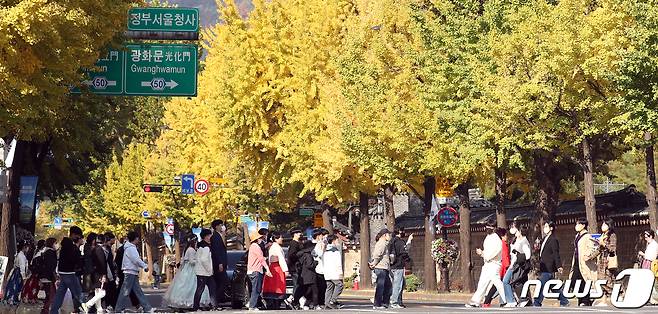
(363, 305)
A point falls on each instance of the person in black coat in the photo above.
(103, 266)
(48, 273)
(292, 258)
(219, 260)
(308, 277)
(549, 262)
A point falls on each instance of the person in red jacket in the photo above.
(502, 233)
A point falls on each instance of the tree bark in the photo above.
(651, 182)
(10, 208)
(364, 239)
(465, 235)
(146, 231)
(327, 220)
(588, 175)
(429, 275)
(389, 192)
(501, 189)
(548, 192)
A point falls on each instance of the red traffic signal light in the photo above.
(150, 188)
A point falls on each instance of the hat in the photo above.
(255, 236)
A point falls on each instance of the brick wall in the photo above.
(627, 236)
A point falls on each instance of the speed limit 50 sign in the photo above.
(201, 187)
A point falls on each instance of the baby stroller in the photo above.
(520, 271)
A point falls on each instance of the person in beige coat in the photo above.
(381, 263)
(584, 264)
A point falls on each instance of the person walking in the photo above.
(608, 262)
(180, 294)
(131, 266)
(70, 260)
(157, 274)
(381, 263)
(219, 260)
(549, 263)
(502, 233)
(307, 293)
(255, 265)
(332, 259)
(274, 288)
(649, 255)
(104, 266)
(88, 269)
(118, 261)
(520, 252)
(18, 275)
(492, 256)
(320, 239)
(583, 265)
(48, 272)
(292, 260)
(400, 253)
(204, 270)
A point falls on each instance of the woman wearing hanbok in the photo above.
(180, 294)
(274, 288)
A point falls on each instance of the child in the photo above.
(332, 260)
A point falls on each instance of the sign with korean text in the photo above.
(161, 70)
(187, 184)
(106, 76)
(163, 19)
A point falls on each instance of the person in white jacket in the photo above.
(492, 255)
(204, 270)
(332, 259)
(131, 266)
(521, 246)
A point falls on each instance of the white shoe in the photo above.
(471, 305)
(512, 304)
(254, 310)
(372, 300)
(305, 308)
(84, 308)
(302, 302)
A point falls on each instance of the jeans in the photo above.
(201, 283)
(490, 275)
(256, 288)
(399, 283)
(131, 284)
(509, 292)
(66, 282)
(543, 278)
(384, 287)
(334, 289)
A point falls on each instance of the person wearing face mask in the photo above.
(70, 260)
(520, 252)
(219, 260)
(549, 262)
(492, 255)
(607, 259)
(583, 265)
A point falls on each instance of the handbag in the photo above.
(613, 263)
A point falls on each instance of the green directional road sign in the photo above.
(161, 70)
(106, 77)
(163, 19)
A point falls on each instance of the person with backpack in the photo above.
(118, 261)
(399, 260)
(47, 268)
(520, 254)
(18, 275)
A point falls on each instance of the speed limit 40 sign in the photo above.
(201, 187)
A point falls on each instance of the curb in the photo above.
(417, 296)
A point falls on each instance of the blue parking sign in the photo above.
(187, 184)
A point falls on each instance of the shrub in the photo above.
(413, 283)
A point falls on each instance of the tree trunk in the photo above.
(465, 235)
(389, 192)
(149, 250)
(548, 189)
(327, 220)
(501, 189)
(364, 239)
(651, 182)
(10, 208)
(588, 174)
(429, 275)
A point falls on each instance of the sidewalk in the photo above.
(457, 297)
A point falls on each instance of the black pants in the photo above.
(311, 293)
(587, 301)
(220, 281)
(201, 283)
(321, 287)
(295, 283)
(490, 295)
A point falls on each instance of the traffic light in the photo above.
(152, 188)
